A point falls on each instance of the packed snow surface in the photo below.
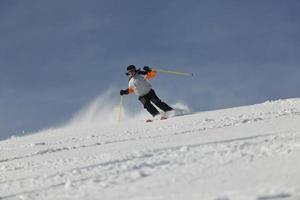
(250, 152)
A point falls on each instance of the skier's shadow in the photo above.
(275, 197)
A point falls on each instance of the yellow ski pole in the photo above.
(121, 108)
(173, 72)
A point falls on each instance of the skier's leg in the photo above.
(148, 106)
(162, 105)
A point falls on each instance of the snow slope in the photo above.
(250, 152)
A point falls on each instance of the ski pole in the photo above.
(120, 109)
(173, 72)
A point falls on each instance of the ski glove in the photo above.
(122, 92)
(146, 69)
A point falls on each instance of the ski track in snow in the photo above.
(56, 169)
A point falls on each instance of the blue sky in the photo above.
(58, 55)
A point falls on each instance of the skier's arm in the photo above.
(126, 92)
(149, 73)
(130, 90)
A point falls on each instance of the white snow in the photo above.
(250, 152)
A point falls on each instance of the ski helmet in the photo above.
(131, 68)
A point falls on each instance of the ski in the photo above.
(162, 118)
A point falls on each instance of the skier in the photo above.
(141, 87)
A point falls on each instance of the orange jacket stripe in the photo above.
(130, 90)
(150, 75)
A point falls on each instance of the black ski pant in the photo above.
(151, 97)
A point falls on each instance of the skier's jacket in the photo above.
(139, 84)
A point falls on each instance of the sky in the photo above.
(57, 56)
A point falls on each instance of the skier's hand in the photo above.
(122, 92)
(146, 68)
